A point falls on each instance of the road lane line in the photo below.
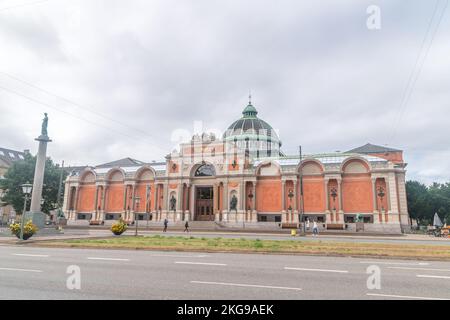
(431, 276)
(177, 256)
(21, 270)
(316, 270)
(201, 263)
(398, 263)
(404, 297)
(245, 285)
(108, 259)
(427, 269)
(31, 255)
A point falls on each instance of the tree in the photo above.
(418, 201)
(22, 172)
(424, 201)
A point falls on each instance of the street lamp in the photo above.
(137, 200)
(26, 189)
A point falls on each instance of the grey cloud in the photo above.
(316, 73)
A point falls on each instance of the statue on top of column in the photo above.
(44, 125)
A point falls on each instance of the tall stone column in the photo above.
(37, 216)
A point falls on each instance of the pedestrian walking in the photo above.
(186, 227)
(166, 222)
(315, 228)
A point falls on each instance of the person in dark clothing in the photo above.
(166, 222)
(186, 227)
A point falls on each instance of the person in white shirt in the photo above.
(315, 228)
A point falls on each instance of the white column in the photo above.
(340, 211)
(179, 201)
(393, 214)
(328, 217)
(254, 211)
(283, 201)
(225, 201)
(192, 202)
(404, 216)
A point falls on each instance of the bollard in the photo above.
(293, 232)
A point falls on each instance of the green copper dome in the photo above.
(253, 131)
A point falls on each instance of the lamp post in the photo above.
(137, 200)
(26, 189)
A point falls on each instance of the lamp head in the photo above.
(27, 188)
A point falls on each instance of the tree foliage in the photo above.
(22, 172)
(424, 201)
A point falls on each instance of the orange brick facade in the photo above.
(219, 180)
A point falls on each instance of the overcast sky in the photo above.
(123, 78)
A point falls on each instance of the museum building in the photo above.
(244, 180)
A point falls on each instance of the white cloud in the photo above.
(143, 69)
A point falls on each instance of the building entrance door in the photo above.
(204, 204)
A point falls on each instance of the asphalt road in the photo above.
(41, 273)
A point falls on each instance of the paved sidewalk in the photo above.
(77, 233)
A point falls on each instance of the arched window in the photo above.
(205, 170)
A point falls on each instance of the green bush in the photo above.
(119, 227)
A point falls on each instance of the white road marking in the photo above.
(245, 285)
(108, 259)
(403, 297)
(31, 255)
(201, 263)
(399, 263)
(431, 276)
(177, 256)
(317, 270)
(22, 270)
(427, 269)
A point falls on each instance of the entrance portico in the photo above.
(204, 203)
